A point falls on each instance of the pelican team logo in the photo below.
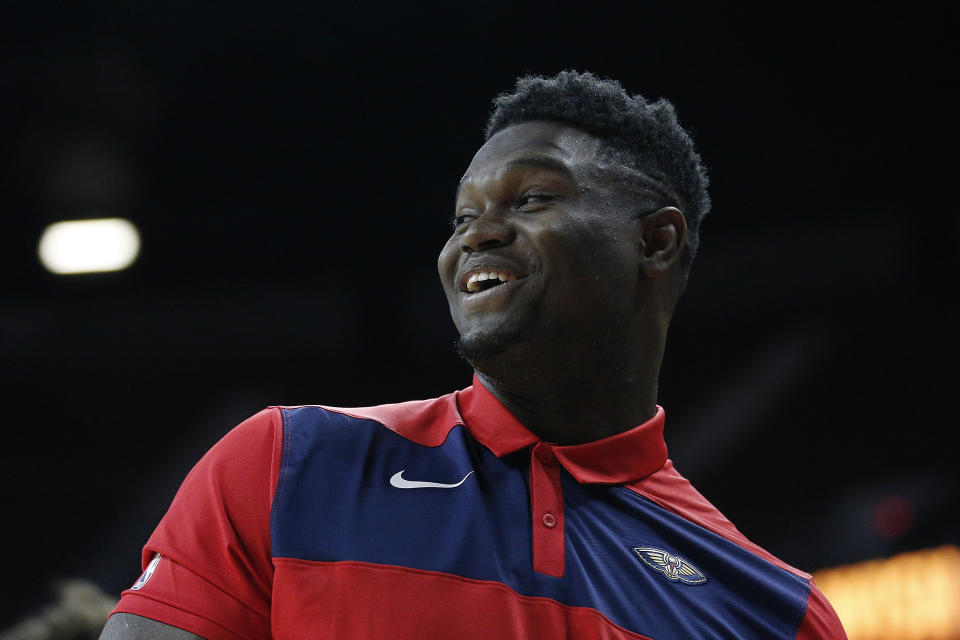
(673, 567)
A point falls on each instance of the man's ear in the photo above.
(663, 237)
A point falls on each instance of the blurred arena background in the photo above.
(289, 171)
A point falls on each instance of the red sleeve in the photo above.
(214, 576)
(821, 621)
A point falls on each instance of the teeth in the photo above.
(474, 279)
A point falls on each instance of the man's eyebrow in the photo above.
(541, 162)
(547, 163)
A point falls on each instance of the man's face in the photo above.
(545, 247)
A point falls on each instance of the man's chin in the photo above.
(480, 348)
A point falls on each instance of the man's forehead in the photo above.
(530, 140)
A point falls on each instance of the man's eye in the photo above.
(530, 199)
(459, 220)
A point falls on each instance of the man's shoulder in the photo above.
(672, 491)
(426, 422)
(668, 489)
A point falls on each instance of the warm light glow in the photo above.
(911, 596)
(89, 246)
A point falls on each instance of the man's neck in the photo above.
(576, 404)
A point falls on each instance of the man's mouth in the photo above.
(477, 280)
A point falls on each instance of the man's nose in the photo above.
(491, 229)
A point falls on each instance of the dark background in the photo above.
(292, 169)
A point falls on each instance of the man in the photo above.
(537, 503)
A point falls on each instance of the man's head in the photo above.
(640, 134)
(575, 201)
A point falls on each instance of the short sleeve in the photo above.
(208, 566)
(820, 621)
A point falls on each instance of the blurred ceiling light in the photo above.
(89, 246)
(911, 596)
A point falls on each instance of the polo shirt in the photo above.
(447, 518)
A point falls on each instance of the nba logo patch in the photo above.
(147, 573)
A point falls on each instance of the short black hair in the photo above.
(645, 135)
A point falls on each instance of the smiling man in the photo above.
(537, 503)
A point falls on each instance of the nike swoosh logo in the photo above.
(400, 482)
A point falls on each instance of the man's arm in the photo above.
(208, 566)
(126, 626)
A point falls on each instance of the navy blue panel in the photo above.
(335, 502)
(744, 596)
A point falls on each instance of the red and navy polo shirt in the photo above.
(447, 518)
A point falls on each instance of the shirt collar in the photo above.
(622, 457)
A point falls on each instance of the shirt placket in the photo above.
(546, 508)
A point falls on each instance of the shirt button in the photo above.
(546, 456)
(549, 521)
